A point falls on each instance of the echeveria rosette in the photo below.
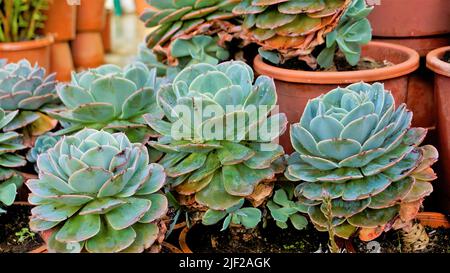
(290, 29)
(97, 191)
(357, 151)
(10, 181)
(110, 98)
(41, 145)
(353, 31)
(26, 88)
(221, 170)
(10, 143)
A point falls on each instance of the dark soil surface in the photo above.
(446, 57)
(391, 242)
(341, 65)
(271, 239)
(16, 221)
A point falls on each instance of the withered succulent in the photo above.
(110, 98)
(182, 21)
(360, 163)
(97, 192)
(217, 135)
(288, 29)
(26, 88)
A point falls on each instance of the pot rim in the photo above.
(435, 63)
(27, 45)
(344, 77)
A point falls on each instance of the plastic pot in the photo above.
(62, 20)
(91, 15)
(441, 70)
(35, 51)
(295, 88)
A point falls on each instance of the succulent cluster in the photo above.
(293, 29)
(26, 88)
(284, 210)
(97, 192)
(360, 162)
(178, 23)
(110, 98)
(217, 135)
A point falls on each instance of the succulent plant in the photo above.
(41, 145)
(97, 192)
(110, 98)
(293, 29)
(151, 60)
(20, 20)
(178, 22)
(353, 31)
(359, 161)
(247, 217)
(198, 49)
(10, 143)
(10, 181)
(283, 209)
(28, 89)
(219, 164)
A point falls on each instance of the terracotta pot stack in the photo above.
(87, 48)
(422, 26)
(61, 24)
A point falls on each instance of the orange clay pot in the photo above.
(410, 18)
(91, 15)
(61, 61)
(141, 5)
(295, 88)
(442, 97)
(62, 20)
(87, 50)
(106, 33)
(35, 51)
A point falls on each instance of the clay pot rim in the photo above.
(435, 63)
(27, 45)
(319, 77)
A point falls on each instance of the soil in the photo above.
(14, 221)
(340, 64)
(446, 57)
(203, 239)
(391, 242)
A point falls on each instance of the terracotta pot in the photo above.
(106, 33)
(420, 99)
(410, 18)
(62, 20)
(61, 61)
(141, 5)
(433, 220)
(423, 45)
(87, 50)
(35, 51)
(91, 15)
(296, 87)
(442, 97)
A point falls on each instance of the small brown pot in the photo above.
(295, 88)
(441, 70)
(410, 18)
(35, 51)
(61, 61)
(106, 33)
(91, 15)
(87, 50)
(62, 20)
